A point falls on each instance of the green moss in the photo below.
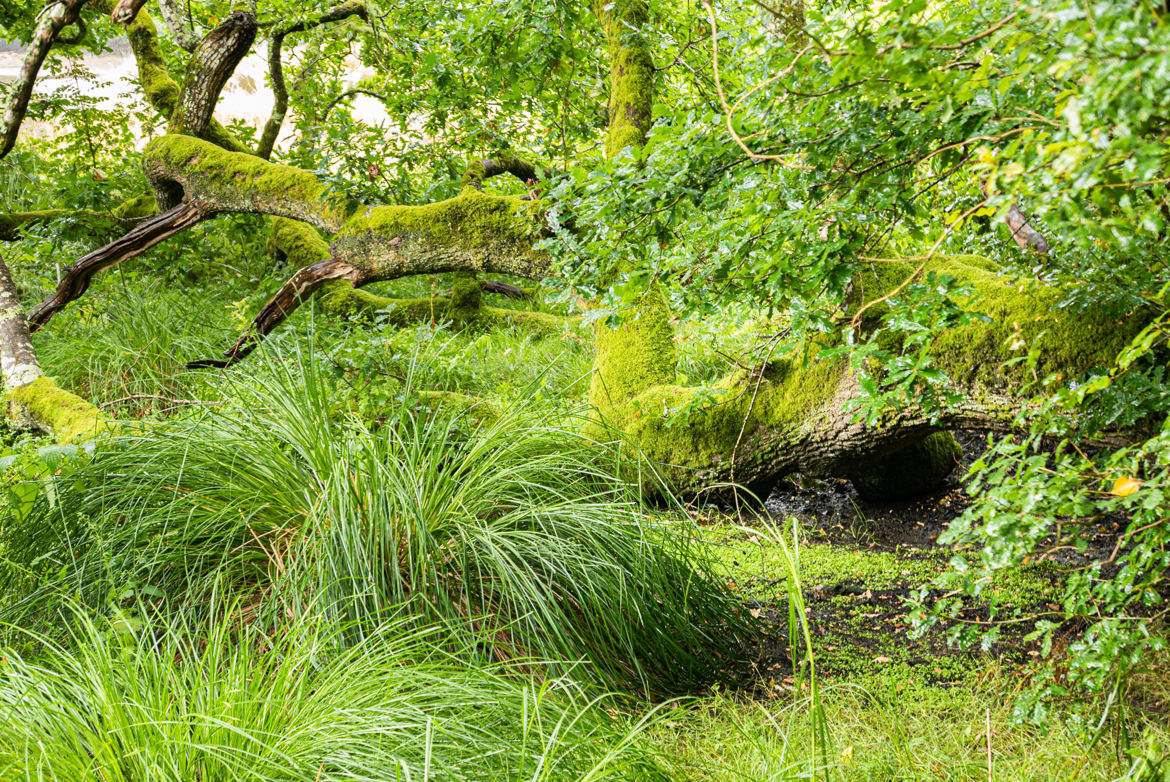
(910, 472)
(466, 297)
(1022, 315)
(66, 415)
(243, 182)
(474, 175)
(340, 299)
(300, 242)
(471, 220)
(635, 356)
(142, 205)
(695, 430)
(631, 79)
(756, 565)
(162, 91)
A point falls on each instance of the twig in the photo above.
(162, 399)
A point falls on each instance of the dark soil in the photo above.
(860, 628)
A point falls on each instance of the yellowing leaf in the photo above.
(1125, 486)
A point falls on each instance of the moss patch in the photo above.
(242, 182)
(472, 220)
(299, 242)
(66, 415)
(857, 611)
(694, 431)
(636, 356)
(1020, 312)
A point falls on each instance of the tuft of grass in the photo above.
(521, 530)
(224, 701)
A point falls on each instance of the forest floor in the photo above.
(899, 704)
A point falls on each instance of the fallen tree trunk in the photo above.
(754, 428)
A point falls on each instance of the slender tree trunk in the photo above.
(34, 400)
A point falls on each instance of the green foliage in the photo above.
(521, 529)
(215, 700)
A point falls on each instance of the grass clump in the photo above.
(522, 531)
(218, 700)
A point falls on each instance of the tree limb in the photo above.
(349, 94)
(276, 69)
(511, 291)
(18, 360)
(34, 400)
(53, 19)
(142, 237)
(211, 65)
(179, 25)
(504, 163)
(125, 11)
(1025, 235)
(291, 295)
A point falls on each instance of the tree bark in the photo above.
(211, 65)
(35, 401)
(753, 428)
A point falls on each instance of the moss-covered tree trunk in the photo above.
(794, 416)
(34, 400)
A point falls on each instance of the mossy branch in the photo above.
(504, 163)
(126, 215)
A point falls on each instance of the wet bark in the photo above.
(142, 237)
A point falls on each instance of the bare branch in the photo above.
(349, 94)
(291, 295)
(141, 238)
(276, 69)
